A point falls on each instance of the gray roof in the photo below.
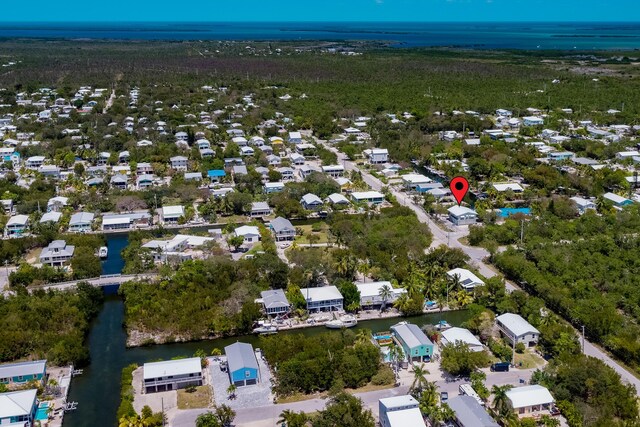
(411, 334)
(81, 218)
(260, 206)
(240, 170)
(469, 412)
(274, 298)
(240, 355)
(516, 324)
(282, 224)
(22, 368)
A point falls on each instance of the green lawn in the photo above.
(201, 398)
(529, 360)
(307, 229)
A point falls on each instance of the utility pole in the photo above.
(582, 339)
(162, 403)
(521, 231)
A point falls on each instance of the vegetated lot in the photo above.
(192, 399)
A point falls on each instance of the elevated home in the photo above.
(532, 121)
(412, 180)
(460, 335)
(469, 413)
(119, 181)
(250, 233)
(460, 215)
(295, 137)
(57, 253)
(370, 294)
(49, 171)
(468, 281)
(583, 205)
(53, 217)
(323, 298)
(372, 197)
(283, 229)
(296, 159)
(172, 374)
(126, 221)
(508, 186)
(559, 156)
(34, 162)
(517, 330)
(193, 176)
(239, 170)
(530, 401)
(273, 187)
(81, 222)
(337, 199)
(259, 209)
(311, 202)
(144, 181)
(400, 411)
(242, 363)
(144, 169)
(180, 163)
(414, 342)
(56, 204)
(23, 372)
(618, 201)
(171, 214)
(215, 175)
(247, 151)
(274, 160)
(286, 172)
(18, 408)
(274, 302)
(333, 171)
(377, 155)
(175, 248)
(16, 226)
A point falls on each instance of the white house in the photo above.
(370, 293)
(250, 233)
(171, 214)
(460, 215)
(259, 209)
(273, 187)
(333, 171)
(513, 186)
(57, 253)
(618, 201)
(412, 180)
(455, 335)
(529, 400)
(16, 226)
(179, 163)
(18, 408)
(514, 327)
(400, 411)
(81, 222)
(533, 121)
(377, 155)
(172, 374)
(323, 298)
(373, 197)
(337, 199)
(311, 202)
(468, 280)
(295, 137)
(583, 204)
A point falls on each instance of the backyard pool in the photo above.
(42, 412)
(507, 212)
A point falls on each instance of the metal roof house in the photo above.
(16, 226)
(311, 202)
(530, 401)
(81, 222)
(400, 411)
(469, 413)
(172, 374)
(275, 302)
(514, 327)
(56, 254)
(323, 298)
(283, 229)
(243, 365)
(455, 335)
(460, 215)
(414, 342)
(18, 408)
(171, 214)
(23, 372)
(370, 293)
(468, 280)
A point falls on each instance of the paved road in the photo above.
(99, 281)
(477, 255)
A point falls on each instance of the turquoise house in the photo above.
(23, 372)
(242, 363)
(18, 408)
(416, 345)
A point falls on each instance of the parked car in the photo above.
(444, 396)
(500, 367)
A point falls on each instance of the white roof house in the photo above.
(467, 279)
(172, 211)
(172, 368)
(370, 293)
(515, 187)
(414, 179)
(617, 200)
(17, 404)
(400, 411)
(337, 199)
(532, 395)
(453, 335)
(323, 297)
(250, 233)
(514, 326)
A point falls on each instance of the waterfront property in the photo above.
(460, 335)
(370, 294)
(311, 202)
(373, 197)
(323, 298)
(530, 401)
(250, 233)
(400, 411)
(469, 413)
(242, 364)
(81, 222)
(460, 215)
(18, 408)
(283, 229)
(171, 214)
(416, 345)
(172, 374)
(57, 253)
(274, 302)
(517, 330)
(259, 209)
(468, 281)
(23, 372)
(126, 221)
(617, 201)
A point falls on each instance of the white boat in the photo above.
(103, 252)
(346, 321)
(442, 325)
(265, 330)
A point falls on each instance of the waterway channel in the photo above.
(97, 389)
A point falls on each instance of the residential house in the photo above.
(18, 408)
(623, 155)
(34, 162)
(193, 176)
(144, 181)
(126, 221)
(53, 217)
(508, 186)
(618, 201)
(468, 281)
(283, 229)
(172, 374)
(515, 328)
(81, 222)
(295, 137)
(16, 226)
(533, 121)
(333, 171)
(22, 372)
(180, 163)
(311, 202)
(469, 413)
(274, 160)
(583, 204)
(119, 181)
(414, 342)
(274, 302)
(57, 253)
(171, 214)
(337, 199)
(56, 204)
(370, 294)
(273, 187)
(266, 149)
(373, 197)
(323, 298)
(559, 156)
(460, 215)
(297, 159)
(247, 151)
(400, 411)
(250, 233)
(259, 209)
(239, 170)
(530, 401)
(176, 248)
(103, 158)
(412, 180)
(216, 175)
(123, 157)
(286, 173)
(242, 364)
(460, 335)
(377, 155)
(7, 206)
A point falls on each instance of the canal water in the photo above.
(97, 390)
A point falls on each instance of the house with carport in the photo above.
(416, 345)
(172, 374)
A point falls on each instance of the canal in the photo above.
(97, 390)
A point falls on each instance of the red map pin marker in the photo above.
(459, 187)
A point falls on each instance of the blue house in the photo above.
(216, 174)
(23, 372)
(18, 408)
(242, 363)
(414, 343)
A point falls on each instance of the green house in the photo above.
(415, 344)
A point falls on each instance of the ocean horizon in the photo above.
(479, 35)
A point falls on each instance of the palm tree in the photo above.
(463, 298)
(231, 391)
(363, 336)
(385, 295)
(131, 421)
(548, 421)
(402, 302)
(452, 283)
(501, 404)
(364, 269)
(419, 378)
(290, 418)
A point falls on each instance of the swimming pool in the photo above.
(43, 410)
(507, 212)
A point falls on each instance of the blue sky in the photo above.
(320, 10)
